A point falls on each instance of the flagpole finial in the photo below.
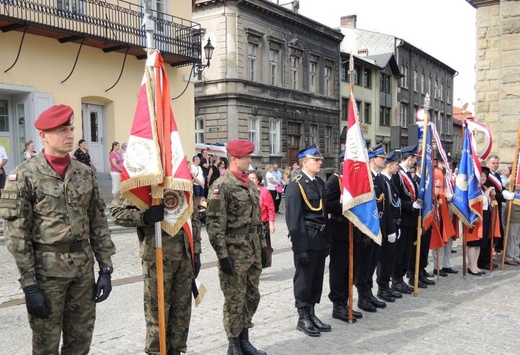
(463, 111)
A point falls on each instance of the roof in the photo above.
(457, 115)
(386, 59)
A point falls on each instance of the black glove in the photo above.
(37, 303)
(103, 286)
(264, 257)
(227, 265)
(303, 258)
(196, 263)
(153, 214)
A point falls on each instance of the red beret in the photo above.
(240, 148)
(55, 116)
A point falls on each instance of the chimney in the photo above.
(349, 21)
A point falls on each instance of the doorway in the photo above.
(93, 132)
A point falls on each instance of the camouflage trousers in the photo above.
(241, 294)
(73, 313)
(178, 276)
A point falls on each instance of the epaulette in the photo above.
(297, 178)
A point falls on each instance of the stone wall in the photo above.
(498, 74)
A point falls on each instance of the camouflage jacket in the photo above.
(231, 206)
(125, 214)
(38, 206)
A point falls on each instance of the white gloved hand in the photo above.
(508, 195)
(449, 197)
(417, 205)
(392, 237)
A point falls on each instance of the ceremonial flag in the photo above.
(467, 193)
(425, 193)
(359, 203)
(155, 164)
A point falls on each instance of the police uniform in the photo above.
(235, 228)
(306, 221)
(179, 270)
(55, 226)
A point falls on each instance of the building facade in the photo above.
(498, 68)
(89, 55)
(274, 79)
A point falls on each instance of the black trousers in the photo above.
(308, 279)
(423, 253)
(363, 271)
(385, 265)
(403, 250)
(274, 195)
(338, 269)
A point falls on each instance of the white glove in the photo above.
(449, 197)
(392, 237)
(508, 195)
(417, 205)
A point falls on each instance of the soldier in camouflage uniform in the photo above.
(55, 225)
(234, 228)
(179, 272)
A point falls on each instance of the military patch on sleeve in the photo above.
(216, 191)
(12, 177)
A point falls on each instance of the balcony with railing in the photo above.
(109, 26)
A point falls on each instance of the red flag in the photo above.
(155, 165)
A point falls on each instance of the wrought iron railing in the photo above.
(118, 23)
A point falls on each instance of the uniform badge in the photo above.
(216, 191)
(12, 177)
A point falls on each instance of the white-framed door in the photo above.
(94, 133)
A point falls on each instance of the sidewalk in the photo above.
(476, 315)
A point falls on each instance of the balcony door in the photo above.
(94, 133)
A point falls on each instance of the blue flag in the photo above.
(467, 190)
(425, 193)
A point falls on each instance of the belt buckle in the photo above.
(75, 247)
(399, 221)
(322, 228)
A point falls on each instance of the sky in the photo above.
(445, 29)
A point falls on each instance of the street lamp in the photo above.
(208, 53)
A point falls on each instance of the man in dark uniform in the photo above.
(407, 188)
(337, 230)
(306, 220)
(389, 227)
(366, 251)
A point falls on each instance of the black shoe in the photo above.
(172, 351)
(322, 327)
(401, 288)
(427, 281)
(453, 251)
(395, 293)
(385, 295)
(246, 346)
(474, 273)
(377, 303)
(305, 324)
(449, 270)
(420, 284)
(234, 347)
(441, 272)
(339, 311)
(486, 267)
(366, 305)
(426, 274)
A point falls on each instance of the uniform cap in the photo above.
(55, 116)
(240, 148)
(392, 156)
(377, 151)
(408, 151)
(311, 151)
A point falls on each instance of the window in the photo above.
(441, 91)
(294, 72)
(313, 134)
(312, 77)
(251, 58)
(327, 149)
(344, 109)
(449, 124)
(429, 88)
(357, 75)
(344, 72)
(384, 116)
(199, 130)
(422, 83)
(273, 63)
(366, 113)
(366, 78)
(274, 136)
(404, 79)
(415, 80)
(78, 7)
(435, 94)
(384, 83)
(404, 115)
(254, 133)
(327, 81)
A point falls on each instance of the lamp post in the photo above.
(208, 53)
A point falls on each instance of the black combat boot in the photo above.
(365, 304)
(318, 323)
(384, 294)
(399, 286)
(377, 303)
(246, 346)
(305, 324)
(339, 311)
(234, 347)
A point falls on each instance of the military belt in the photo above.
(397, 221)
(317, 226)
(244, 230)
(62, 248)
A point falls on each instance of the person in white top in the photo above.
(3, 161)
(273, 185)
(198, 180)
